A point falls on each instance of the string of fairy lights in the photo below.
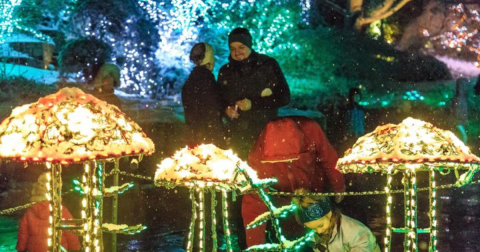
(9, 23)
(12, 210)
(93, 210)
(6, 19)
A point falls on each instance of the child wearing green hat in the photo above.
(335, 232)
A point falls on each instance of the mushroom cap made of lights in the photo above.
(412, 141)
(206, 166)
(70, 126)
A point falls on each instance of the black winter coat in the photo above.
(247, 79)
(203, 108)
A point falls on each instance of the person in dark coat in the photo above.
(33, 230)
(201, 100)
(252, 87)
(295, 151)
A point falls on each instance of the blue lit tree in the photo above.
(34, 17)
(122, 25)
(182, 23)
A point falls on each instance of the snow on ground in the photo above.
(32, 73)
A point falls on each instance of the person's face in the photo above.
(320, 226)
(239, 51)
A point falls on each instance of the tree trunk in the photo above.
(385, 10)
(355, 6)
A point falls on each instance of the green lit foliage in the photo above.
(182, 23)
(22, 16)
(270, 22)
(39, 12)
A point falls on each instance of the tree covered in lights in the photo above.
(316, 61)
(459, 36)
(123, 26)
(151, 40)
(182, 23)
(32, 17)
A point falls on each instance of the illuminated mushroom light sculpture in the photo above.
(207, 168)
(73, 127)
(410, 147)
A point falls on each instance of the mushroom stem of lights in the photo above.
(202, 169)
(410, 147)
(73, 127)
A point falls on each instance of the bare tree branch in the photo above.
(361, 21)
(383, 8)
(355, 5)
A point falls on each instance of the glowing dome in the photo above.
(410, 142)
(205, 165)
(70, 126)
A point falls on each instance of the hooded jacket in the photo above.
(247, 79)
(33, 230)
(202, 107)
(295, 151)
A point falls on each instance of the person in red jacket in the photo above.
(295, 151)
(33, 230)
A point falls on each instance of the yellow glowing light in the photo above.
(205, 165)
(95, 129)
(414, 141)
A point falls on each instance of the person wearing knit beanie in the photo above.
(240, 44)
(252, 88)
(241, 35)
